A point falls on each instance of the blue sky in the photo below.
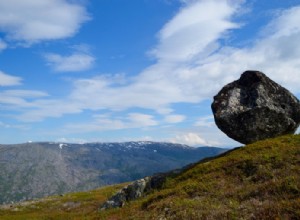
(122, 70)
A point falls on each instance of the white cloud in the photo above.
(72, 140)
(141, 120)
(45, 108)
(206, 121)
(16, 100)
(73, 63)
(108, 122)
(200, 136)
(194, 30)
(33, 21)
(279, 28)
(191, 139)
(24, 93)
(174, 118)
(3, 45)
(154, 94)
(8, 80)
(15, 126)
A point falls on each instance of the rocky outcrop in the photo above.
(255, 108)
(136, 190)
(128, 193)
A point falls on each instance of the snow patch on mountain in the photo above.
(62, 145)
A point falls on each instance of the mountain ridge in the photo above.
(39, 169)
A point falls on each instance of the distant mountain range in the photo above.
(35, 170)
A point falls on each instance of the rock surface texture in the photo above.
(255, 108)
(139, 188)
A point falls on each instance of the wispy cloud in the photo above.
(3, 45)
(200, 135)
(206, 121)
(191, 139)
(80, 59)
(9, 80)
(173, 119)
(108, 122)
(24, 93)
(39, 109)
(18, 100)
(72, 63)
(13, 126)
(141, 120)
(33, 21)
(194, 30)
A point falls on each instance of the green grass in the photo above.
(81, 205)
(258, 181)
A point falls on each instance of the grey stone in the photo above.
(255, 108)
(117, 200)
(130, 192)
(139, 188)
(136, 189)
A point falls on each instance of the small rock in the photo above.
(255, 108)
(135, 190)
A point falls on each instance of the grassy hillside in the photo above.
(259, 181)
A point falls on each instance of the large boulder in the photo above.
(255, 108)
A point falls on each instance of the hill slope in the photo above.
(36, 170)
(259, 181)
